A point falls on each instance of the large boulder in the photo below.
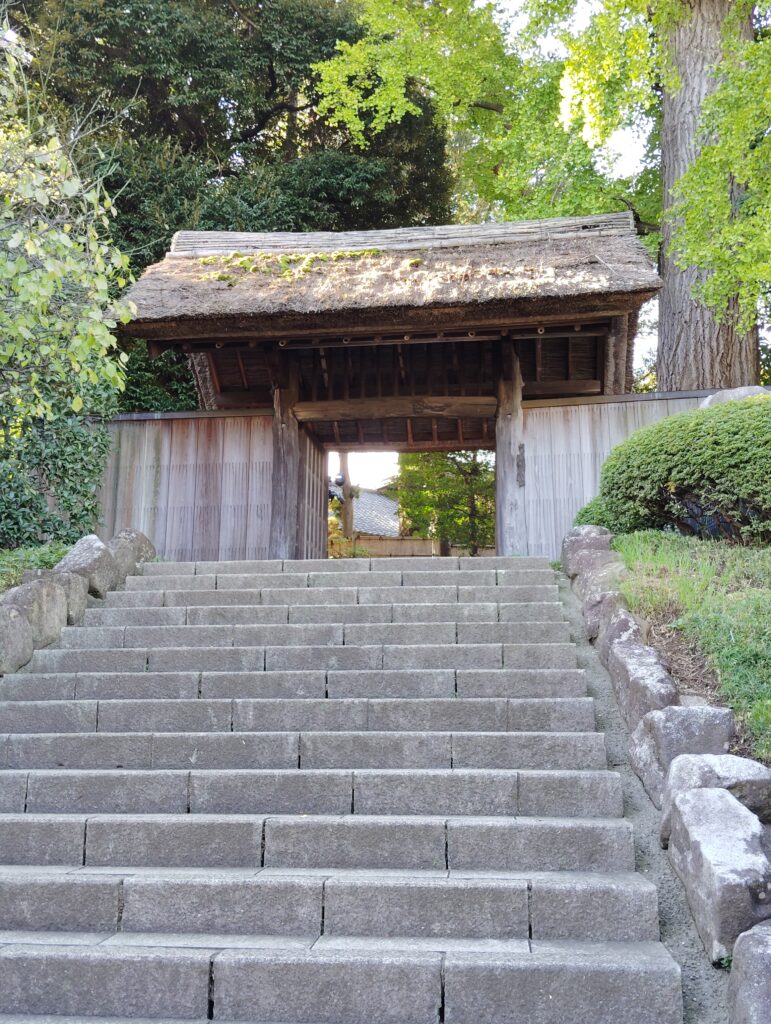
(731, 395)
(43, 603)
(580, 540)
(598, 609)
(91, 559)
(602, 577)
(75, 588)
(749, 781)
(16, 643)
(716, 848)
(663, 735)
(749, 986)
(640, 680)
(620, 626)
(130, 548)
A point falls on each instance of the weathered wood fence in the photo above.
(199, 484)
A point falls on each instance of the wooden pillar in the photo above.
(284, 517)
(346, 509)
(510, 523)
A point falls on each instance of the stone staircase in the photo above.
(320, 793)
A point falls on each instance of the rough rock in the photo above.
(75, 588)
(130, 548)
(91, 559)
(731, 395)
(749, 986)
(663, 735)
(716, 850)
(16, 643)
(598, 609)
(748, 781)
(640, 681)
(580, 540)
(44, 605)
(600, 579)
(621, 625)
(589, 560)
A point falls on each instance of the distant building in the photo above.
(374, 514)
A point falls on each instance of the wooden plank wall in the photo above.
(565, 447)
(199, 487)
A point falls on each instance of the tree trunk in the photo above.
(510, 526)
(346, 506)
(695, 351)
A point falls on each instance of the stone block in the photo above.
(206, 659)
(661, 736)
(716, 848)
(535, 656)
(420, 563)
(113, 660)
(507, 595)
(16, 643)
(165, 716)
(140, 598)
(563, 983)
(75, 588)
(183, 840)
(539, 844)
(59, 902)
(103, 981)
(137, 616)
(598, 609)
(90, 638)
(320, 635)
(551, 714)
(413, 633)
(38, 686)
(237, 615)
(180, 636)
(375, 750)
(298, 715)
(527, 611)
(79, 750)
(547, 750)
(137, 685)
(427, 907)
(354, 579)
(731, 395)
(13, 789)
(456, 656)
(91, 559)
(44, 605)
(620, 625)
(159, 584)
(609, 908)
(226, 750)
(172, 568)
(525, 682)
(329, 988)
(449, 611)
(255, 566)
(438, 715)
(392, 683)
(748, 781)
(640, 681)
(48, 716)
(322, 596)
(50, 839)
(409, 595)
(223, 906)
(749, 986)
(449, 577)
(571, 794)
(327, 658)
(410, 843)
(264, 684)
(130, 549)
(271, 792)
(106, 792)
(446, 792)
(345, 613)
(513, 633)
(579, 540)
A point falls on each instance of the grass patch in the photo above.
(710, 605)
(14, 563)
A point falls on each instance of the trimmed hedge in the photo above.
(706, 473)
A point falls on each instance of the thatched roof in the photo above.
(264, 279)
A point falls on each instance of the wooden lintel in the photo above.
(406, 446)
(442, 407)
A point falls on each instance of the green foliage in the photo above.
(57, 263)
(13, 564)
(703, 472)
(594, 513)
(732, 243)
(448, 496)
(719, 597)
(164, 384)
(50, 470)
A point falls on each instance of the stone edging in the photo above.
(713, 803)
(33, 614)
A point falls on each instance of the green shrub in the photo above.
(50, 471)
(705, 473)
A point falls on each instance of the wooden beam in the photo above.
(346, 510)
(533, 388)
(449, 407)
(286, 471)
(510, 522)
